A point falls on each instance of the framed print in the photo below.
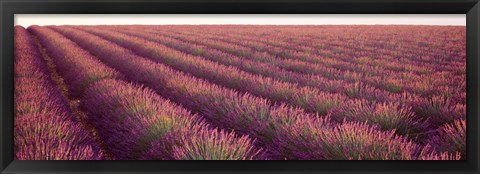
(239, 87)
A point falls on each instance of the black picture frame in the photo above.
(10, 7)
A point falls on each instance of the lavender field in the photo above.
(240, 92)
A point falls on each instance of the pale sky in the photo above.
(258, 19)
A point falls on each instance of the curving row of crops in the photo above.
(152, 93)
(309, 99)
(306, 38)
(349, 62)
(395, 114)
(453, 98)
(352, 65)
(129, 118)
(265, 69)
(44, 126)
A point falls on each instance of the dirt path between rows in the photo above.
(74, 103)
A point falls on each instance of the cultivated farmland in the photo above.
(240, 92)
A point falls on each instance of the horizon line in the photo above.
(240, 19)
(253, 25)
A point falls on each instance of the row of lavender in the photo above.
(395, 113)
(266, 68)
(451, 101)
(45, 128)
(446, 44)
(274, 126)
(440, 109)
(374, 69)
(346, 60)
(435, 56)
(308, 98)
(132, 121)
(446, 68)
(290, 143)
